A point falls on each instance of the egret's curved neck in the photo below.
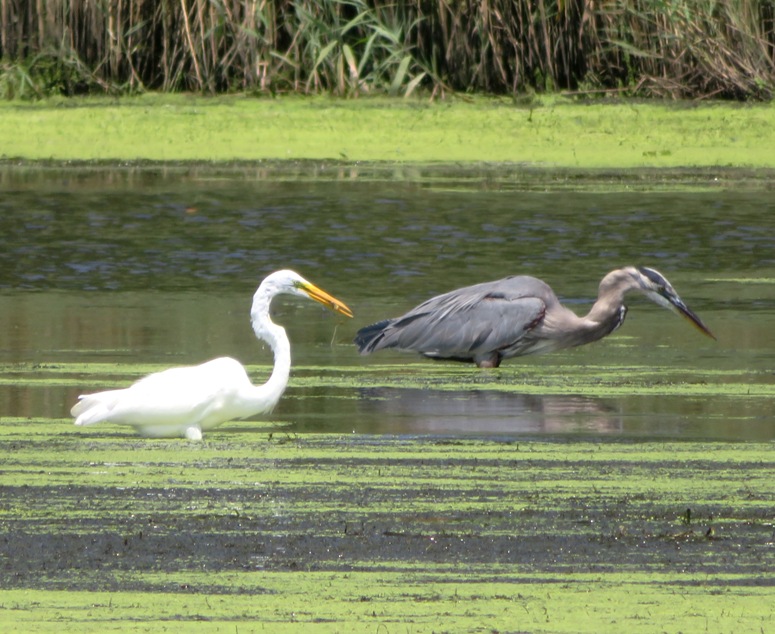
(275, 336)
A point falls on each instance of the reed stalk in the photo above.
(690, 49)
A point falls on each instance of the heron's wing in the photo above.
(463, 323)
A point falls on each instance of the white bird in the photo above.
(183, 402)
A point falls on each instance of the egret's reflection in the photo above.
(412, 411)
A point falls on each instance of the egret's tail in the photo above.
(92, 408)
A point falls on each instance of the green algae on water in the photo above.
(237, 128)
(250, 531)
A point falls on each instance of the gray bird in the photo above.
(515, 316)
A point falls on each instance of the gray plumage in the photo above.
(515, 316)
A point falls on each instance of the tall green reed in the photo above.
(687, 49)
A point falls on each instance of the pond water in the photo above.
(107, 273)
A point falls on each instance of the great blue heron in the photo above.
(186, 401)
(515, 316)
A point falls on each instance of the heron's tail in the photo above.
(368, 338)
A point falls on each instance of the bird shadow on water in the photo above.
(480, 412)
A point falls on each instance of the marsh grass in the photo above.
(698, 49)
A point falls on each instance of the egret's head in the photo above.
(655, 286)
(290, 282)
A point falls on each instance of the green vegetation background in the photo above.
(404, 74)
(551, 132)
(694, 49)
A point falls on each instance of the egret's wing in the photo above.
(171, 396)
(463, 323)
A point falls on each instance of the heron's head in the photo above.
(291, 283)
(655, 286)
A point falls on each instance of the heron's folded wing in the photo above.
(464, 325)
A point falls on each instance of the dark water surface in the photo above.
(150, 266)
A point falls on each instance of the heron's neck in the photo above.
(605, 309)
(608, 312)
(270, 392)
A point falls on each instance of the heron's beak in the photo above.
(683, 309)
(319, 295)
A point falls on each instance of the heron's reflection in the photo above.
(412, 411)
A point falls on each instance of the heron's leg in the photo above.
(488, 360)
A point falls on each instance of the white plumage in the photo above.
(186, 401)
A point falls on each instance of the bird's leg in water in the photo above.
(194, 433)
(492, 360)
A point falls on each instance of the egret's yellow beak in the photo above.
(319, 295)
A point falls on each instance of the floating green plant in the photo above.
(555, 133)
(252, 531)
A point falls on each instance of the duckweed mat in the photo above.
(251, 531)
(551, 132)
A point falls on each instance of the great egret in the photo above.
(515, 316)
(186, 401)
